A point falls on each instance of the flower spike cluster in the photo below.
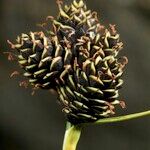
(78, 59)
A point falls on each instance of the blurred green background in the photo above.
(36, 122)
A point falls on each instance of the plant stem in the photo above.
(72, 136)
(73, 132)
(123, 118)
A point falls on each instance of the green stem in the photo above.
(123, 118)
(72, 136)
(73, 132)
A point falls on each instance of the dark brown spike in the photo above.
(78, 59)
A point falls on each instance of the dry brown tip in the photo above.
(10, 56)
(111, 107)
(95, 15)
(100, 28)
(123, 61)
(14, 74)
(59, 2)
(51, 18)
(11, 44)
(113, 29)
(24, 84)
(123, 104)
